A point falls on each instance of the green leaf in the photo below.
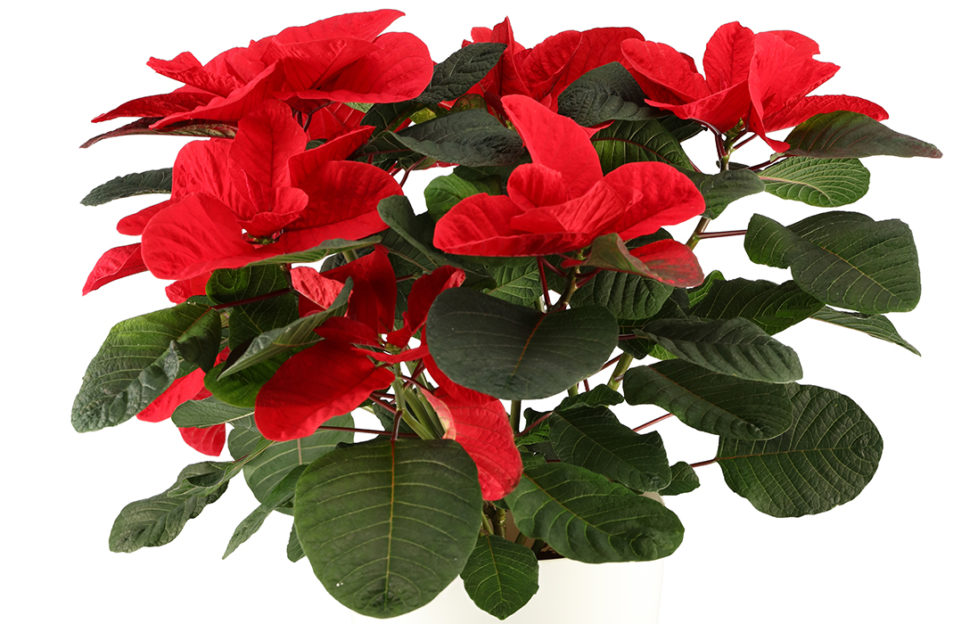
(241, 388)
(464, 68)
(875, 325)
(734, 347)
(139, 359)
(320, 251)
(609, 252)
(602, 94)
(157, 520)
(722, 189)
(267, 471)
(822, 182)
(772, 307)
(416, 230)
(246, 528)
(146, 182)
(387, 526)
(720, 404)
(843, 259)
(500, 576)
(444, 192)
(625, 295)
(207, 413)
(516, 280)
(471, 137)
(638, 141)
(845, 134)
(600, 395)
(286, 340)
(584, 516)
(594, 439)
(825, 459)
(522, 354)
(684, 480)
(294, 549)
(248, 320)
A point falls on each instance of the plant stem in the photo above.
(569, 289)
(543, 281)
(514, 414)
(704, 463)
(703, 235)
(651, 422)
(700, 228)
(349, 255)
(615, 381)
(534, 424)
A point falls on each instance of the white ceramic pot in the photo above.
(570, 592)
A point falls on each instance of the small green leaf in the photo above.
(523, 354)
(610, 252)
(734, 347)
(594, 439)
(416, 230)
(277, 305)
(822, 182)
(638, 141)
(583, 516)
(294, 549)
(246, 528)
(140, 358)
(710, 402)
(444, 192)
(845, 134)
(207, 413)
(464, 68)
(387, 526)
(825, 459)
(516, 280)
(772, 307)
(266, 472)
(722, 189)
(684, 480)
(598, 396)
(875, 325)
(602, 94)
(146, 182)
(320, 251)
(843, 259)
(241, 388)
(214, 129)
(471, 137)
(157, 520)
(627, 296)
(500, 576)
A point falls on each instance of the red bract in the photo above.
(339, 59)
(338, 373)
(260, 195)
(561, 201)
(760, 79)
(545, 70)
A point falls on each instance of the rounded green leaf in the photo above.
(720, 404)
(584, 516)
(594, 439)
(387, 526)
(822, 182)
(513, 352)
(734, 347)
(825, 459)
(849, 134)
(500, 576)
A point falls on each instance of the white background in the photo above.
(902, 552)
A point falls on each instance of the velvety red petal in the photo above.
(325, 380)
(366, 25)
(187, 69)
(781, 75)
(114, 264)
(202, 167)
(236, 105)
(315, 286)
(207, 440)
(182, 389)
(348, 331)
(306, 165)
(671, 262)
(482, 429)
(723, 110)
(667, 197)
(535, 184)
(344, 191)
(728, 56)
(798, 41)
(816, 104)
(181, 290)
(285, 205)
(399, 68)
(374, 290)
(158, 105)
(556, 142)
(194, 235)
(267, 138)
(542, 66)
(581, 218)
(664, 74)
(308, 65)
(333, 120)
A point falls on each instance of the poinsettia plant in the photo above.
(313, 302)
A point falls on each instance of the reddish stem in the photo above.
(651, 422)
(543, 281)
(704, 463)
(535, 423)
(722, 234)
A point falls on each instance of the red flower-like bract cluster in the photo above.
(264, 193)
